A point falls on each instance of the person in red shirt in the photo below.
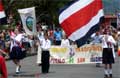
(3, 69)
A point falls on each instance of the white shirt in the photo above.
(109, 39)
(19, 37)
(45, 44)
(40, 36)
(16, 40)
(65, 43)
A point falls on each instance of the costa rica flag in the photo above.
(80, 18)
(3, 19)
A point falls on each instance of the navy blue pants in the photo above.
(45, 61)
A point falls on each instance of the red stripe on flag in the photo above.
(1, 6)
(81, 18)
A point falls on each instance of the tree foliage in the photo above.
(46, 10)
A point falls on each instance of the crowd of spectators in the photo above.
(55, 35)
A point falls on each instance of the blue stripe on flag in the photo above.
(67, 6)
(85, 38)
(3, 21)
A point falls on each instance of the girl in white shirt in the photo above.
(16, 53)
(65, 42)
(108, 55)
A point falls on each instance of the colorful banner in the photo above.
(28, 20)
(83, 55)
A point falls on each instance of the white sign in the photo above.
(28, 20)
(83, 55)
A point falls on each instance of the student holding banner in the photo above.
(45, 46)
(108, 55)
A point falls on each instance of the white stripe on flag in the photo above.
(2, 14)
(82, 31)
(73, 9)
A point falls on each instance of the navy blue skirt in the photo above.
(17, 53)
(107, 56)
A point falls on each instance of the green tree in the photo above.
(46, 10)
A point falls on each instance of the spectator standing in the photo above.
(50, 34)
(65, 42)
(57, 36)
(3, 68)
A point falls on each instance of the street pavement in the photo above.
(31, 70)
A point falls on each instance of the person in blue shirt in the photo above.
(57, 36)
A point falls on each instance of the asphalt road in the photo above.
(31, 70)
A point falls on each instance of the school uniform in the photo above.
(15, 48)
(108, 54)
(45, 46)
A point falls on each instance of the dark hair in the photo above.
(46, 34)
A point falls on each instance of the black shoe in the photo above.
(47, 71)
(17, 72)
(97, 65)
(106, 76)
(43, 72)
(110, 75)
(39, 64)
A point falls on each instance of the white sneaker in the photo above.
(17, 70)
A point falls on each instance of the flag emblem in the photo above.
(29, 22)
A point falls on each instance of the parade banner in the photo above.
(28, 20)
(71, 55)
